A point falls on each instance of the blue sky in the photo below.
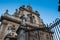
(48, 9)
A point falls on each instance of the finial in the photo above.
(16, 10)
(29, 8)
(37, 13)
(21, 8)
(16, 13)
(6, 11)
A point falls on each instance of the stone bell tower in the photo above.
(24, 24)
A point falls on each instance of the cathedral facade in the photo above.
(24, 24)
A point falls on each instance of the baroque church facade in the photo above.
(24, 24)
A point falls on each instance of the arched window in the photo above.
(34, 21)
(31, 19)
(47, 37)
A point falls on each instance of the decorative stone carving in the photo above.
(16, 13)
(6, 13)
(29, 8)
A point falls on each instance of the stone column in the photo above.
(38, 35)
(21, 35)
